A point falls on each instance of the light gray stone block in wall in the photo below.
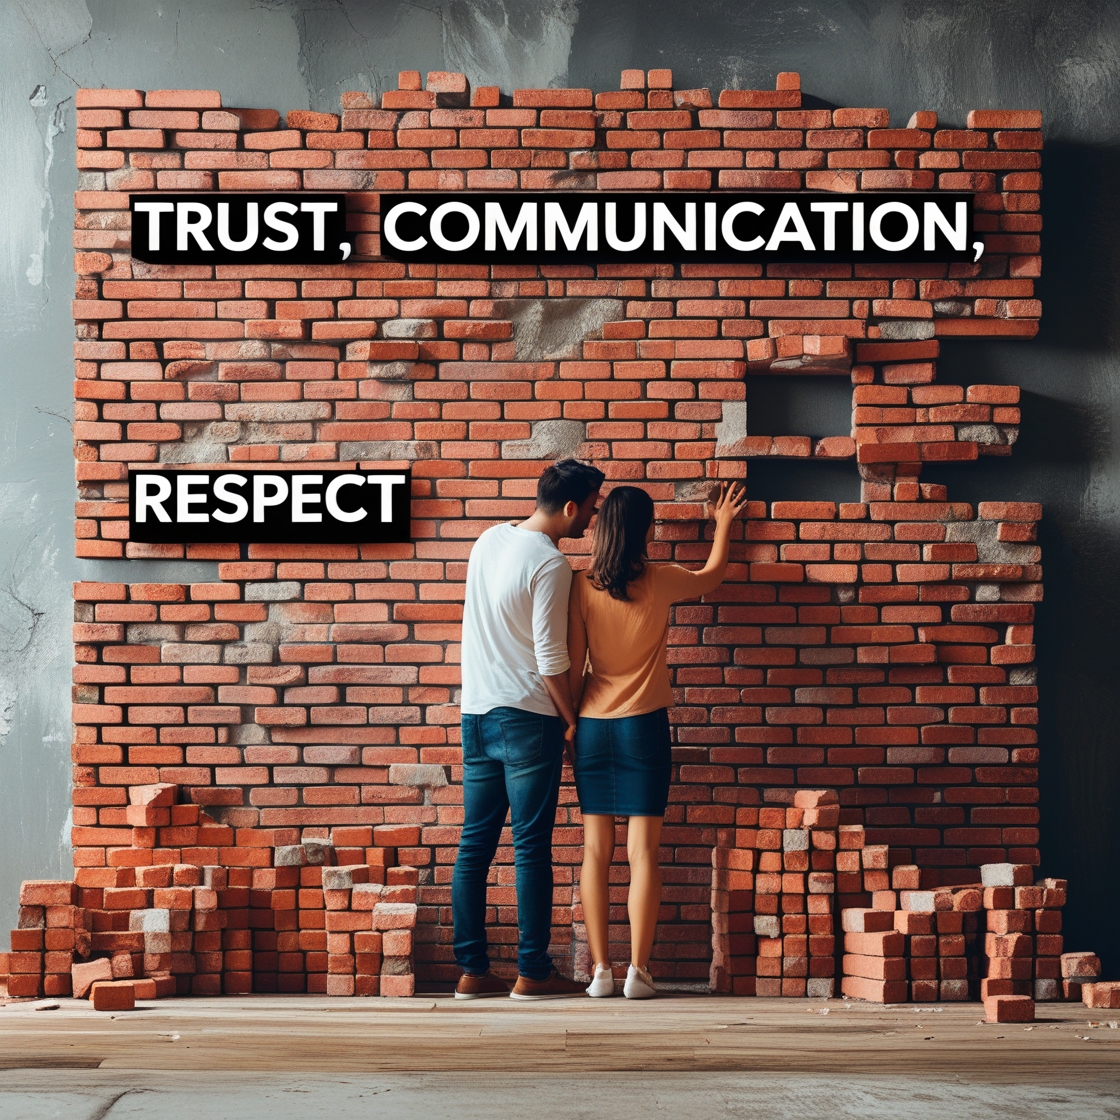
(731, 431)
(989, 548)
(417, 775)
(551, 330)
(283, 591)
(550, 439)
(409, 328)
(905, 330)
(379, 450)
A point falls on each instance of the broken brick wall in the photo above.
(883, 648)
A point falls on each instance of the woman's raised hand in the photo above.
(726, 502)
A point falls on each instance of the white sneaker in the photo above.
(639, 984)
(602, 984)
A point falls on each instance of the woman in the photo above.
(618, 626)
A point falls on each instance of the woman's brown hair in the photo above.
(618, 541)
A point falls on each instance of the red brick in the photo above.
(116, 995)
(1008, 1009)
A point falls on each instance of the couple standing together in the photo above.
(556, 664)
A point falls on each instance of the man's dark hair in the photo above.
(569, 480)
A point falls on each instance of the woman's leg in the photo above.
(643, 838)
(598, 853)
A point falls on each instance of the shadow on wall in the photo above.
(1080, 285)
(1066, 458)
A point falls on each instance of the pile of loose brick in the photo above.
(194, 907)
(798, 897)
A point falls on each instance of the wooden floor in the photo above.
(676, 1033)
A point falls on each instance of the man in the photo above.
(517, 713)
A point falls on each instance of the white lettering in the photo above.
(301, 498)
(587, 226)
(791, 213)
(956, 235)
(526, 224)
(386, 482)
(685, 235)
(151, 492)
(185, 228)
(709, 226)
(875, 226)
(389, 227)
(153, 210)
(610, 227)
(435, 227)
(318, 212)
(251, 228)
(185, 498)
(857, 227)
(262, 498)
(223, 493)
(829, 210)
(274, 221)
(333, 508)
(727, 227)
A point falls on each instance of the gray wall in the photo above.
(1060, 57)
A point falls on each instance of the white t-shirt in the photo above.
(515, 621)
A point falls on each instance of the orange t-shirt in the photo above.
(625, 640)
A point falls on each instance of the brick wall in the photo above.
(882, 648)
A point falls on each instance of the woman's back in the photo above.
(626, 639)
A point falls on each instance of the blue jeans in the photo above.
(511, 762)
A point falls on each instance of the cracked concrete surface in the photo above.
(553, 330)
(550, 439)
(989, 548)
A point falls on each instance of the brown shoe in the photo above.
(555, 987)
(480, 987)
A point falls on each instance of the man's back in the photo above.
(514, 621)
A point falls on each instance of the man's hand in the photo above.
(561, 694)
(570, 745)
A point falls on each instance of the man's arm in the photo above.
(560, 691)
(577, 646)
(550, 634)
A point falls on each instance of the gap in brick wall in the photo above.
(784, 405)
(998, 481)
(978, 362)
(1054, 435)
(788, 480)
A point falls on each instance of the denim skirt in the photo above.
(623, 765)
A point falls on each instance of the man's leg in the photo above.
(532, 753)
(484, 813)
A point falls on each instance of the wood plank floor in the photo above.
(676, 1033)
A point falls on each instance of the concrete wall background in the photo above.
(297, 54)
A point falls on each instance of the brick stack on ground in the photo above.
(794, 888)
(906, 942)
(899, 936)
(998, 940)
(264, 917)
